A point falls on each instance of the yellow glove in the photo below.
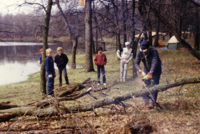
(149, 76)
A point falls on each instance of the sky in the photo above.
(11, 7)
(17, 6)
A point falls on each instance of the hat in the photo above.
(144, 45)
(127, 44)
(41, 50)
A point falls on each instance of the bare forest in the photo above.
(116, 108)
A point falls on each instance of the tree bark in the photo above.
(124, 21)
(196, 36)
(45, 41)
(5, 115)
(171, 29)
(74, 47)
(88, 37)
(133, 38)
(72, 38)
(157, 29)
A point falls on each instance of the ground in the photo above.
(181, 112)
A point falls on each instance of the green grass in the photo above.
(175, 64)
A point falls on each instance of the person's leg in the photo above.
(51, 86)
(103, 74)
(47, 84)
(65, 75)
(154, 95)
(98, 74)
(125, 72)
(121, 69)
(60, 77)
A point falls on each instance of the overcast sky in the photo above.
(13, 6)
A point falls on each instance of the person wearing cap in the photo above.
(40, 58)
(152, 68)
(126, 56)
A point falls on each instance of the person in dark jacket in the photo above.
(61, 60)
(50, 72)
(152, 67)
(100, 60)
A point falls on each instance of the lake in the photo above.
(20, 59)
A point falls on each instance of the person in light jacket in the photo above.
(126, 56)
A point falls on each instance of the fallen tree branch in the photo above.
(14, 112)
(6, 105)
(178, 37)
(80, 86)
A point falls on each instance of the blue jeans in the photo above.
(50, 85)
(102, 68)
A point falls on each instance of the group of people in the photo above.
(61, 61)
(147, 54)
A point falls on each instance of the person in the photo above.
(50, 72)
(127, 55)
(61, 60)
(100, 60)
(152, 68)
(40, 58)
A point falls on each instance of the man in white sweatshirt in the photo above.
(126, 56)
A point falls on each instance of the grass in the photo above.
(180, 114)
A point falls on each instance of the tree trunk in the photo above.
(157, 35)
(196, 36)
(124, 21)
(157, 29)
(45, 41)
(150, 32)
(5, 115)
(133, 38)
(75, 43)
(88, 37)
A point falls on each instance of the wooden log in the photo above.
(70, 91)
(14, 112)
(6, 105)
(53, 100)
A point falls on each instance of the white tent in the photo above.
(173, 43)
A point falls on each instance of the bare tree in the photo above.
(88, 37)
(45, 45)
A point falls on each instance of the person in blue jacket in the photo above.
(152, 67)
(50, 72)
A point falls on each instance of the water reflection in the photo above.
(19, 59)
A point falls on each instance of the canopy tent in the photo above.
(173, 43)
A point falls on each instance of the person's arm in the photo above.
(137, 61)
(154, 61)
(66, 58)
(95, 60)
(105, 60)
(131, 57)
(118, 52)
(47, 65)
(55, 59)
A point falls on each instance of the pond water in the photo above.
(20, 59)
